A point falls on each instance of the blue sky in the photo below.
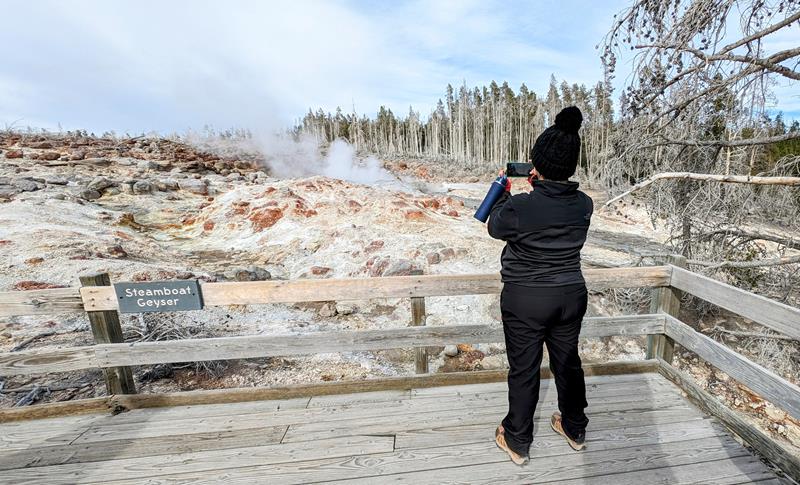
(143, 65)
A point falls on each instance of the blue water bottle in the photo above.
(495, 191)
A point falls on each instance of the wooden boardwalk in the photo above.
(641, 430)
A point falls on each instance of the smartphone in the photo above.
(518, 169)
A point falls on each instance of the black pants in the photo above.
(533, 317)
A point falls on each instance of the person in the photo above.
(544, 295)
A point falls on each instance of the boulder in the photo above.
(49, 156)
(450, 350)
(142, 187)
(147, 165)
(251, 273)
(25, 185)
(14, 154)
(86, 193)
(433, 258)
(56, 180)
(346, 308)
(328, 310)
(100, 184)
(193, 186)
(167, 184)
(8, 191)
(401, 267)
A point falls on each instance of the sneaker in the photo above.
(577, 443)
(500, 440)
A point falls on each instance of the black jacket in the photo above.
(544, 232)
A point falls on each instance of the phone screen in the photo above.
(518, 169)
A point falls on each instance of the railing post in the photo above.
(665, 299)
(417, 320)
(107, 330)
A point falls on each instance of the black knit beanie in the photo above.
(555, 153)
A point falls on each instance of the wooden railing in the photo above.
(662, 326)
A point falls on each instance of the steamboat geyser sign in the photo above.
(159, 296)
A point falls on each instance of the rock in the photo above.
(450, 350)
(252, 176)
(167, 184)
(34, 285)
(433, 258)
(142, 187)
(14, 154)
(251, 273)
(346, 308)
(55, 180)
(5, 181)
(88, 194)
(116, 251)
(447, 253)
(328, 310)
(34, 261)
(194, 186)
(127, 186)
(45, 145)
(100, 184)
(26, 185)
(373, 246)
(401, 267)
(147, 165)
(320, 270)
(77, 155)
(7, 192)
(49, 156)
(234, 177)
(112, 191)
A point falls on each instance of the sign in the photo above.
(159, 296)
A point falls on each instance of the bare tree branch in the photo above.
(742, 142)
(751, 236)
(746, 264)
(737, 333)
(704, 177)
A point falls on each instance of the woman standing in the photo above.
(544, 294)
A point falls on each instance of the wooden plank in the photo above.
(494, 467)
(729, 471)
(418, 318)
(126, 448)
(770, 313)
(45, 360)
(769, 385)
(50, 410)
(773, 450)
(331, 420)
(150, 415)
(107, 330)
(216, 396)
(488, 416)
(592, 381)
(40, 302)
(474, 463)
(295, 291)
(665, 299)
(252, 346)
(599, 436)
(645, 395)
(138, 468)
